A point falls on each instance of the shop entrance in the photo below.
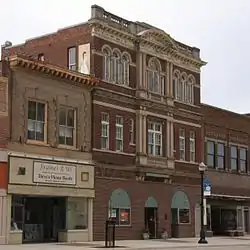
(151, 218)
(39, 217)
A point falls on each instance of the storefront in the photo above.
(49, 200)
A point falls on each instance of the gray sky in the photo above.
(219, 28)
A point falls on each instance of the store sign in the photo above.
(207, 187)
(45, 172)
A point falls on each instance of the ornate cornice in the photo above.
(43, 67)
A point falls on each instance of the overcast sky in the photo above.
(221, 29)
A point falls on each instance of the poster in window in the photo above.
(183, 216)
(124, 216)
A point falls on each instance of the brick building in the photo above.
(47, 140)
(146, 123)
(226, 145)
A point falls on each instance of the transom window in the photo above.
(155, 139)
(72, 58)
(182, 142)
(192, 146)
(105, 131)
(119, 133)
(66, 126)
(234, 157)
(36, 121)
(155, 78)
(116, 66)
(183, 87)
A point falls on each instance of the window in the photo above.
(131, 132)
(104, 131)
(66, 126)
(192, 146)
(155, 139)
(72, 58)
(77, 213)
(107, 64)
(119, 133)
(234, 157)
(243, 160)
(155, 79)
(210, 154)
(221, 155)
(17, 213)
(36, 121)
(183, 87)
(182, 145)
(125, 70)
(120, 208)
(116, 68)
(40, 57)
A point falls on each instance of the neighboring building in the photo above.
(226, 153)
(50, 179)
(146, 120)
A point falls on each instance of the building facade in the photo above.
(146, 129)
(226, 147)
(50, 178)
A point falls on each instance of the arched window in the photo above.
(182, 86)
(176, 80)
(189, 95)
(125, 69)
(120, 207)
(155, 80)
(116, 67)
(180, 208)
(106, 64)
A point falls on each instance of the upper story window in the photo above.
(66, 126)
(155, 139)
(116, 66)
(183, 87)
(41, 57)
(36, 121)
(221, 155)
(215, 154)
(234, 157)
(119, 133)
(211, 154)
(104, 131)
(243, 160)
(182, 143)
(155, 77)
(131, 131)
(192, 146)
(72, 58)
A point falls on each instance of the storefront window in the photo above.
(17, 213)
(239, 218)
(77, 213)
(119, 208)
(180, 208)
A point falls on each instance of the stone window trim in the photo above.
(183, 87)
(155, 77)
(116, 66)
(74, 128)
(43, 142)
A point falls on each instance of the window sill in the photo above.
(38, 143)
(112, 152)
(186, 162)
(123, 226)
(186, 103)
(118, 84)
(77, 230)
(61, 146)
(132, 144)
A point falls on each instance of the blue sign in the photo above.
(207, 186)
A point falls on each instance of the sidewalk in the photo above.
(188, 243)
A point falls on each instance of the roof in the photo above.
(74, 77)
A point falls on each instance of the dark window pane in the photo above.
(243, 166)
(233, 152)
(174, 213)
(70, 118)
(40, 111)
(183, 216)
(220, 149)
(62, 117)
(40, 131)
(32, 110)
(210, 147)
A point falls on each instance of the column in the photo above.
(171, 124)
(144, 133)
(139, 70)
(90, 219)
(143, 71)
(168, 141)
(170, 73)
(167, 80)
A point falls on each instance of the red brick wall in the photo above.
(3, 175)
(139, 193)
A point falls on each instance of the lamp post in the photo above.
(202, 240)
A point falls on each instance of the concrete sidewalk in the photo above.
(189, 243)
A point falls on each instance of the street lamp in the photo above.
(202, 240)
